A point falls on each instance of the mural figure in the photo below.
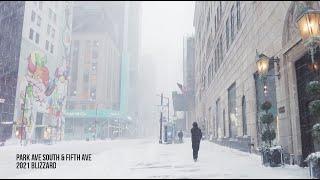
(40, 90)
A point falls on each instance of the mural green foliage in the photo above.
(29, 90)
(41, 61)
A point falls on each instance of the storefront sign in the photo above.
(106, 113)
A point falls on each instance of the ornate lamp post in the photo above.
(309, 28)
(263, 67)
(263, 64)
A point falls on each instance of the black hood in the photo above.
(195, 124)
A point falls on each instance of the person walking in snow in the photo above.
(196, 136)
(180, 135)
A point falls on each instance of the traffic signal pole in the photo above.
(160, 140)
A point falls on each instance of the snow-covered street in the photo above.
(145, 158)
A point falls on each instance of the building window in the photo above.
(37, 38)
(47, 45)
(48, 29)
(215, 24)
(220, 9)
(232, 23)
(232, 110)
(208, 20)
(220, 50)
(212, 68)
(31, 34)
(33, 16)
(39, 21)
(209, 75)
(215, 60)
(227, 34)
(218, 117)
(218, 16)
(51, 48)
(244, 116)
(224, 123)
(238, 15)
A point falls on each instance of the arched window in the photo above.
(224, 123)
(244, 116)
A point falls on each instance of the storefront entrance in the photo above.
(305, 74)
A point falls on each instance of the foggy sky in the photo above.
(164, 24)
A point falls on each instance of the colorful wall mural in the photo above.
(42, 81)
(41, 93)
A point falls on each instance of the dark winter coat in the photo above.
(180, 134)
(196, 136)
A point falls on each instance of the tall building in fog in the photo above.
(189, 80)
(34, 59)
(95, 83)
(105, 58)
(133, 47)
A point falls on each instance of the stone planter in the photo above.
(313, 161)
(272, 157)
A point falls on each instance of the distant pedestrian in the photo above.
(180, 135)
(196, 136)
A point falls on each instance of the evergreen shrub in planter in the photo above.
(313, 159)
(313, 88)
(267, 118)
(314, 164)
(271, 155)
(314, 107)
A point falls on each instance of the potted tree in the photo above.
(271, 155)
(313, 159)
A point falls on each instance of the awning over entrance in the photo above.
(101, 114)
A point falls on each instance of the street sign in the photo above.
(2, 100)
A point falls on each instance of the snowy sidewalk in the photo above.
(145, 158)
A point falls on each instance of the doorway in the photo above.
(304, 75)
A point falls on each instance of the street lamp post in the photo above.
(168, 106)
(160, 140)
(22, 126)
(95, 123)
(161, 114)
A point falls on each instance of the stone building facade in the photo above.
(228, 90)
(189, 80)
